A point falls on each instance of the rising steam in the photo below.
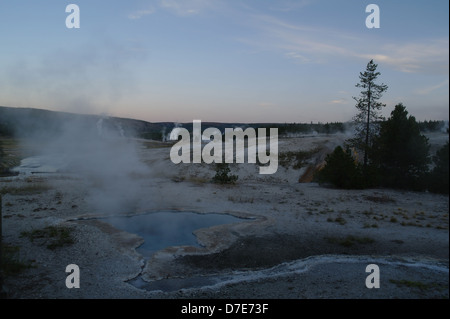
(96, 149)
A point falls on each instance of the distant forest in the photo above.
(27, 122)
(339, 127)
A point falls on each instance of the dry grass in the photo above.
(350, 240)
(241, 199)
(418, 285)
(340, 220)
(380, 199)
(11, 264)
(32, 189)
(53, 236)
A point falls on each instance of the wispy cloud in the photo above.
(427, 57)
(177, 7)
(301, 43)
(312, 44)
(297, 57)
(429, 89)
(136, 15)
(187, 7)
(339, 101)
(289, 5)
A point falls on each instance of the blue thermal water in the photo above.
(165, 229)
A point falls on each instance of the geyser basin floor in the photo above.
(283, 210)
(297, 268)
(165, 229)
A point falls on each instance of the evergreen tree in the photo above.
(439, 178)
(369, 108)
(400, 152)
(341, 170)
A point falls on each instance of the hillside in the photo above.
(30, 122)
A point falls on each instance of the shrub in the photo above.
(341, 170)
(223, 174)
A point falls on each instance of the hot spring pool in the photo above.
(165, 229)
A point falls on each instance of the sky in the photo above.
(252, 61)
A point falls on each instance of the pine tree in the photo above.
(369, 110)
(341, 170)
(401, 152)
(439, 177)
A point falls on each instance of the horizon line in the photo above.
(194, 119)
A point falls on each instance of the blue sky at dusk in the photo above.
(223, 60)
